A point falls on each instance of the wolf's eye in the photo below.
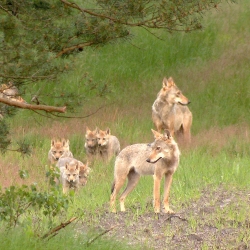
(93, 139)
(158, 148)
(54, 152)
(68, 175)
(61, 152)
(104, 139)
(178, 93)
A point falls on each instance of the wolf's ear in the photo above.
(66, 165)
(96, 130)
(108, 131)
(87, 164)
(64, 142)
(157, 135)
(52, 142)
(164, 82)
(170, 81)
(87, 129)
(77, 166)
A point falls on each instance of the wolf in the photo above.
(161, 158)
(59, 149)
(108, 145)
(91, 144)
(84, 169)
(70, 174)
(84, 173)
(170, 111)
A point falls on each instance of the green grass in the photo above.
(72, 238)
(211, 67)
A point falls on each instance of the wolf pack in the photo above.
(172, 120)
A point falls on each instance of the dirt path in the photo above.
(218, 220)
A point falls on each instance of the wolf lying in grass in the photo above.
(73, 173)
(161, 158)
(169, 111)
(59, 149)
(108, 145)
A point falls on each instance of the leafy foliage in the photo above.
(17, 202)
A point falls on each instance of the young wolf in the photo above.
(91, 144)
(83, 172)
(161, 158)
(70, 175)
(59, 149)
(169, 111)
(109, 145)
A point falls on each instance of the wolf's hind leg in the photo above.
(133, 179)
(115, 190)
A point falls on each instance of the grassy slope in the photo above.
(212, 69)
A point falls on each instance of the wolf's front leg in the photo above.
(157, 185)
(167, 185)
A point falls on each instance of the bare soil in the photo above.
(219, 219)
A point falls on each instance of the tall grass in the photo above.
(211, 67)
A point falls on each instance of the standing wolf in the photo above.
(169, 111)
(161, 158)
(91, 144)
(108, 144)
(59, 149)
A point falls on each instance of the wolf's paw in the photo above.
(168, 211)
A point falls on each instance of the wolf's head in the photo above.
(59, 147)
(71, 171)
(103, 137)
(91, 138)
(171, 94)
(164, 147)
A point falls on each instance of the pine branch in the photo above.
(31, 106)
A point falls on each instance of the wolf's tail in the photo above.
(112, 187)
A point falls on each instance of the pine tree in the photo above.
(39, 38)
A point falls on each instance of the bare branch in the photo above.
(34, 78)
(32, 107)
(1, 7)
(78, 46)
(101, 234)
(56, 229)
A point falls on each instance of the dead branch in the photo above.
(56, 229)
(99, 235)
(31, 106)
(69, 49)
